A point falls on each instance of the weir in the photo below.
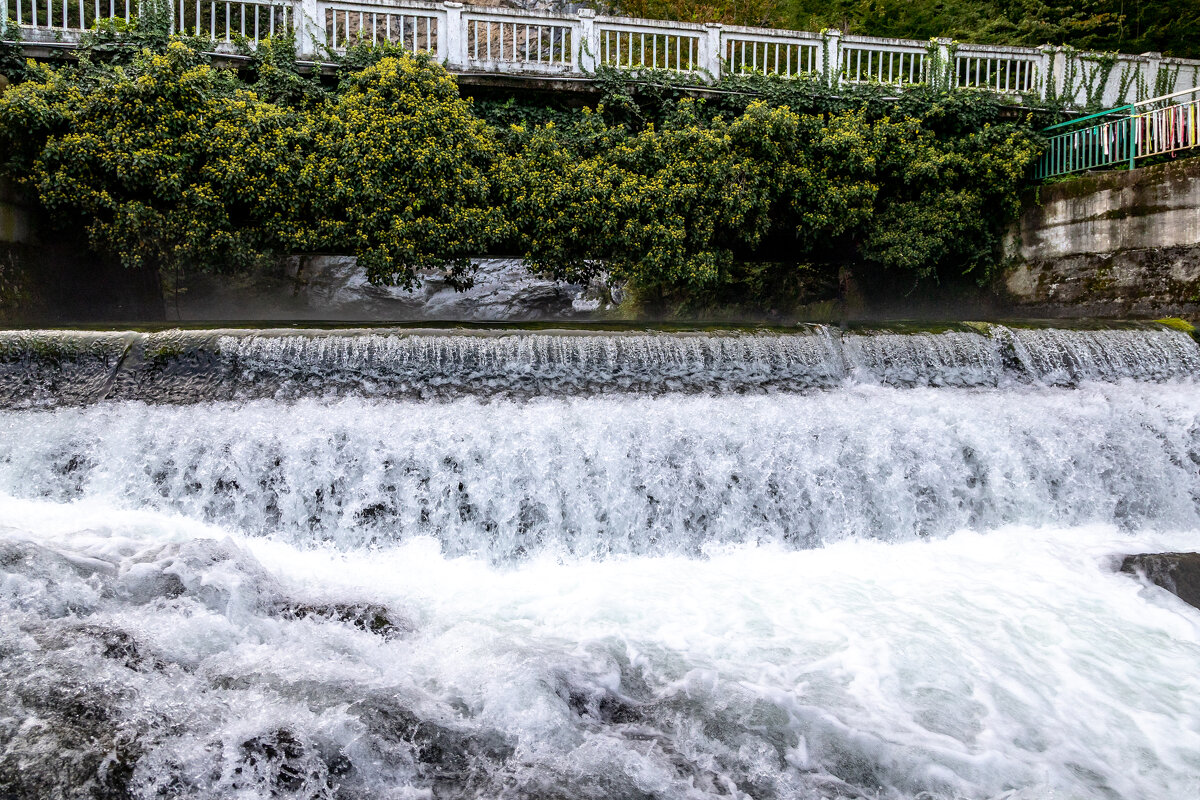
(51, 368)
(682, 565)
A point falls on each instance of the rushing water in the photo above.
(506, 565)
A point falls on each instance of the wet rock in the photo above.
(367, 617)
(1178, 573)
(280, 761)
(442, 751)
(61, 737)
(599, 705)
(110, 643)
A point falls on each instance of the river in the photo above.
(579, 564)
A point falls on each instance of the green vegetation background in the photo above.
(1171, 27)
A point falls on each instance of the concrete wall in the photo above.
(1113, 244)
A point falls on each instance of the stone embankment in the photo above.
(1113, 244)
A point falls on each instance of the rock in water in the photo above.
(1178, 573)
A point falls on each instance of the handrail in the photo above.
(1089, 116)
(1193, 90)
(1123, 140)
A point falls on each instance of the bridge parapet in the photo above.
(471, 39)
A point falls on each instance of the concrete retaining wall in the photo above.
(1113, 244)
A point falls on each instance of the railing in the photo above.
(1160, 131)
(52, 16)
(225, 21)
(494, 40)
(778, 53)
(469, 39)
(636, 46)
(894, 62)
(1122, 136)
(346, 24)
(995, 69)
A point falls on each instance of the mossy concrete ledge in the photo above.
(1121, 243)
(14, 219)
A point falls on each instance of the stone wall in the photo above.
(1114, 244)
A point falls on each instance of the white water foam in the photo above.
(1012, 664)
(602, 475)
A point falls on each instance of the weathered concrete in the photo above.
(1113, 244)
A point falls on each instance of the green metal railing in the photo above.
(1124, 136)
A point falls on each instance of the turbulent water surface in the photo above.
(562, 565)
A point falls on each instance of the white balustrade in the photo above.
(520, 41)
(674, 47)
(783, 54)
(39, 18)
(997, 69)
(511, 41)
(888, 61)
(349, 24)
(229, 21)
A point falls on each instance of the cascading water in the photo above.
(502, 564)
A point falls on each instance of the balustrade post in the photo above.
(1045, 71)
(710, 49)
(587, 47)
(3, 18)
(1131, 139)
(831, 58)
(1150, 76)
(452, 40)
(1060, 76)
(946, 80)
(308, 20)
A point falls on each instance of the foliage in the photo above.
(403, 164)
(945, 196)
(674, 206)
(12, 58)
(173, 164)
(159, 159)
(115, 41)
